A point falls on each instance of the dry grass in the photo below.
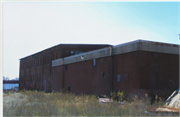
(67, 104)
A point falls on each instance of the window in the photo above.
(69, 88)
(81, 52)
(75, 52)
(38, 62)
(72, 53)
(94, 62)
(47, 60)
(31, 78)
(29, 64)
(41, 78)
(25, 65)
(118, 77)
(53, 56)
(41, 61)
(154, 54)
(37, 78)
(126, 77)
(65, 67)
(56, 55)
(103, 75)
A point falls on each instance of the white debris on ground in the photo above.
(172, 104)
(167, 109)
(105, 100)
(174, 100)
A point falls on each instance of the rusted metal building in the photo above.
(136, 67)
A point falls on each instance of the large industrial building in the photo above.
(136, 67)
(36, 70)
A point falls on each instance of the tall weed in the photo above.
(68, 104)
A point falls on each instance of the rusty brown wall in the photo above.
(158, 69)
(126, 66)
(57, 79)
(148, 72)
(84, 77)
(140, 71)
(159, 72)
(135, 68)
(39, 66)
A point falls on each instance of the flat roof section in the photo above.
(83, 57)
(120, 49)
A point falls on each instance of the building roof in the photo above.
(120, 49)
(60, 45)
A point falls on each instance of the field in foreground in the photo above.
(33, 103)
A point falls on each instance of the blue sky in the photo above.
(32, 27)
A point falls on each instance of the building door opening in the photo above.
(69, 88)
(44, 85)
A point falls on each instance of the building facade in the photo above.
(36, 70)
(136, 67)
